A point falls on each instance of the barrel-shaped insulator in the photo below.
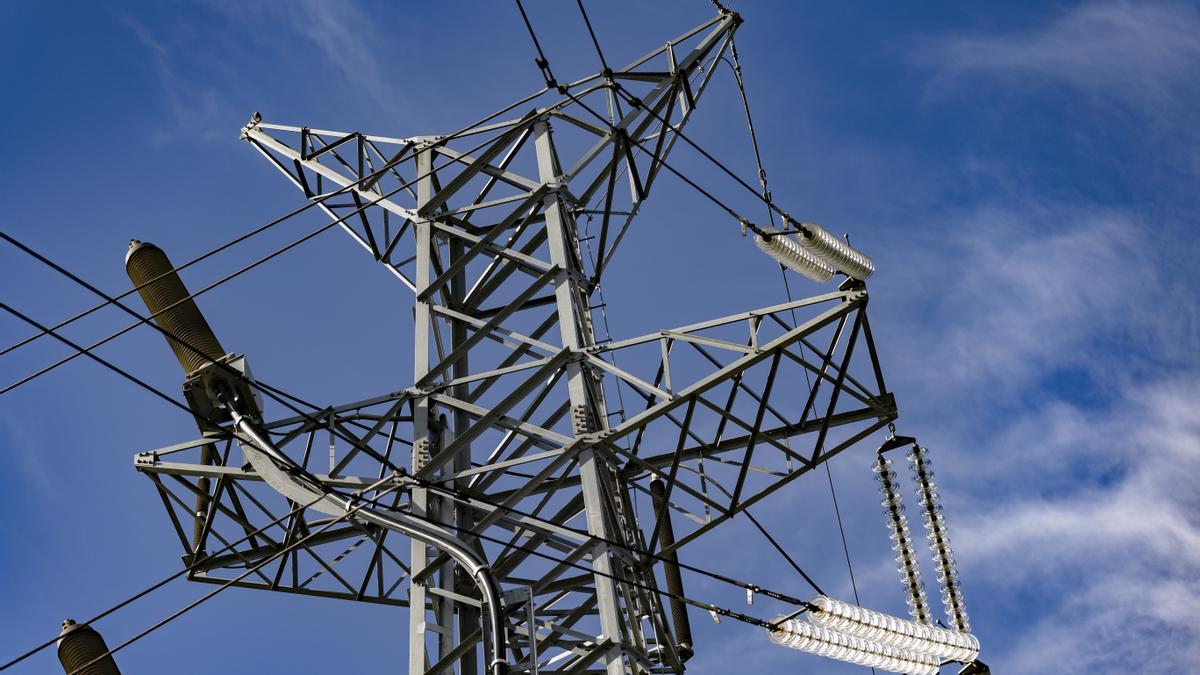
(82, 651)
(666, 537)
(188, 334)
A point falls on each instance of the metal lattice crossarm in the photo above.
(533, 468)
(507, 421)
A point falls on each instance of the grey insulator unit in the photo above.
(79, 645)
(666, 538)
(174, 311)
(177, 315)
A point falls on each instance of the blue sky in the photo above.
(1023, 174)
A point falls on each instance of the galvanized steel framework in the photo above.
(509, 416)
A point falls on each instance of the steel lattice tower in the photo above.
(508, 422)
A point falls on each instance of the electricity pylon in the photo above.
(508, 423)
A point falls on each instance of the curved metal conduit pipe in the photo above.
(294, 483)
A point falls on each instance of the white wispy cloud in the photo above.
(1018, 295)
(193, 109)
(1140, 53)
(339, 37)
(1110, 568)
(335, 47)
(345, 37)
(1071, 505)
(23, 449)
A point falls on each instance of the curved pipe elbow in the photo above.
(264, 456)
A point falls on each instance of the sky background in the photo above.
(1022, 173)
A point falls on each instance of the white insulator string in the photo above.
(902, 542)
(939, 540)
(783, 248)
(842, 256)
(891, 630)
(806, 637)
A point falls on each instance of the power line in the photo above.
(111, 300)
(314, 201)
(179, 268)
(709, 607)
(469, 497)
(163, 582)
(319, 199)
(736, 65)
(754, 621)
(250, 570)
(103, 362)
(714, 575)
(159, 393)
(587, 22)
(173, 402)
(542, 63)
(266, 258)
(783, 552)
(633, 100)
